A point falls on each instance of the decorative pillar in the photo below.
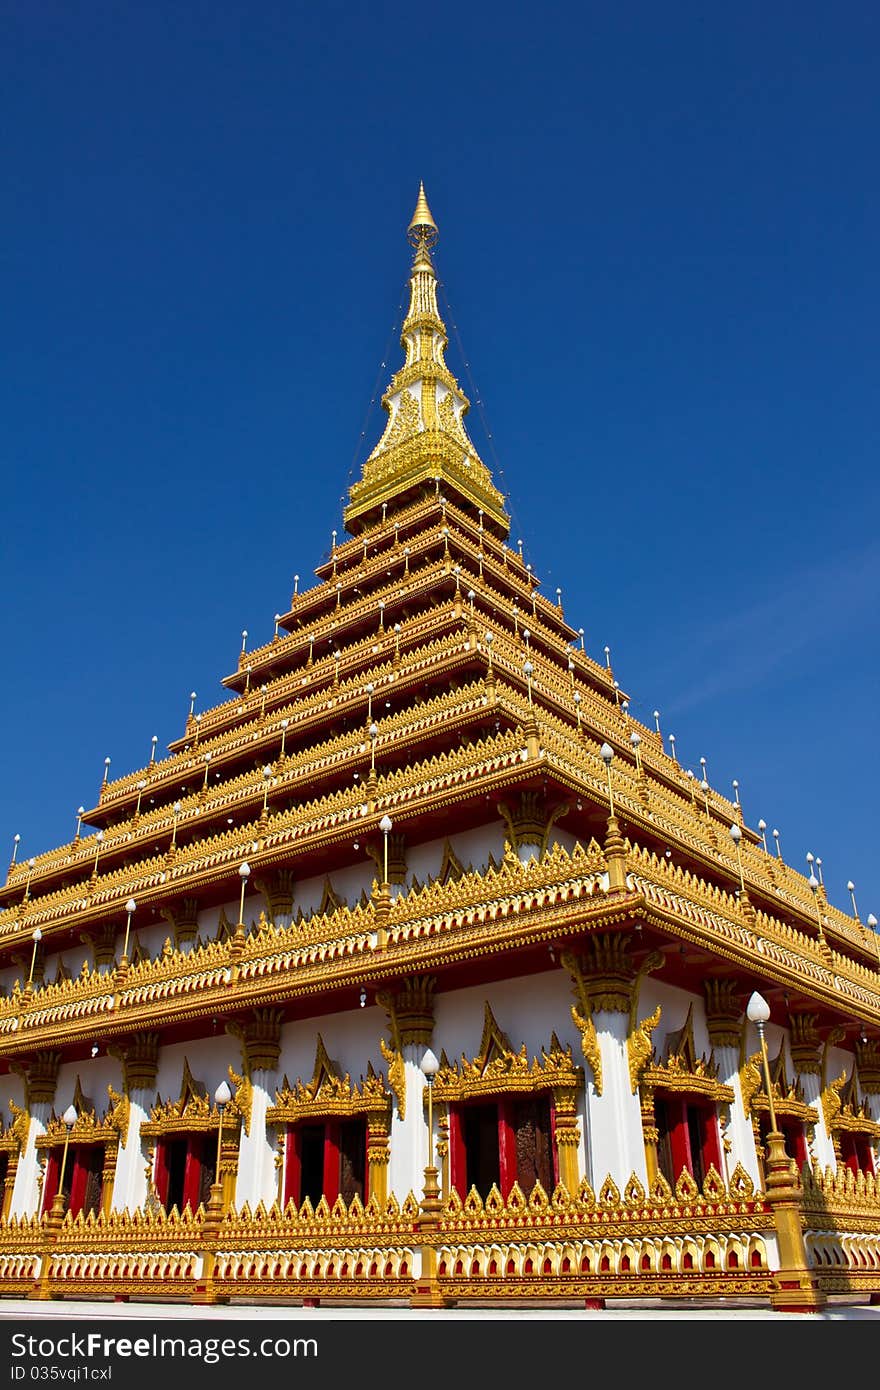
(724, 1023)
(567, 1137)
(830, 1102)
(606, 987)
(650, 1132)
(140, 1064)
(9, 1185)
(102, 944)
(278, 888)
(260, 1039)
(40, 1078)
(183, 918)
(868, 1064)
(410, 1011)
(529, 823)
(378, 1156)
(108, 1176)
(806, 1046)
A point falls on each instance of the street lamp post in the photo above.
(795, 1285)
(635, 744)
(736, 835)
(758, 1012)
(607, 754)
(244, 874)
(36, 937)
(70, 1118)
(222, 1097)
(129, 907)
(385, 826)
(429, 1067)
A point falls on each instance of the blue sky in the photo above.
(659, 232)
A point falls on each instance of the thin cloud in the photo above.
(744, 648)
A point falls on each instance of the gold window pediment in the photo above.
(497, 1068)
(14, 1138)
(87, 1128)
(853, 1116)
(788, 1097)
(192, 1112)
(701, 1081)
(857, 1122)
(330, 1092)
(680, 1069)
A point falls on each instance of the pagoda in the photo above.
(420, 969)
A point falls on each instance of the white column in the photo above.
(409, 1136)
(613, 1128)
(739, 1131)
(26, 1189)
(257, 1179)
(130, 1185)
(823, 1148)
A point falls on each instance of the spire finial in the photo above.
(422, 229)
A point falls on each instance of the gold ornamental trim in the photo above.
(330, 1092)
(497, 1068)
(192, 1112)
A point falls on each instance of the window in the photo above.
(687, 1137)
(184, 1170)
(83, 1178)
(792, 1132)
(856, 1152)
(326, 1158)
(502, 1142)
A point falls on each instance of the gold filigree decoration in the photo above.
(86, 1129)
(788, 1097)
(853, 1115)
(582, 1017)
(498, 1068)
(451, 867)
(449, 421)
(119, 1113)
(330, 899)
(393, 1055)
(329, 1093)
(21, 1124)
(191, 1112)
(243, 1096)
(830, 1094)
(682, 1071)
(639, 1047)
(403, 423)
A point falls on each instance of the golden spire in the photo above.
(424, 443)
(422, 227)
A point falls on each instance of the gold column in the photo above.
(228, 1163)
(378, 1154)
(443, 1147)
(8, 1185)
(567, 1137)
(650, 1133)
(108, 1176)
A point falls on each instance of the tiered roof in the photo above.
(426, 678)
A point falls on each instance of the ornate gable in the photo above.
(497, 1068)
(329, 1093)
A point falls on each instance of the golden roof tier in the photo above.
(425, 445)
